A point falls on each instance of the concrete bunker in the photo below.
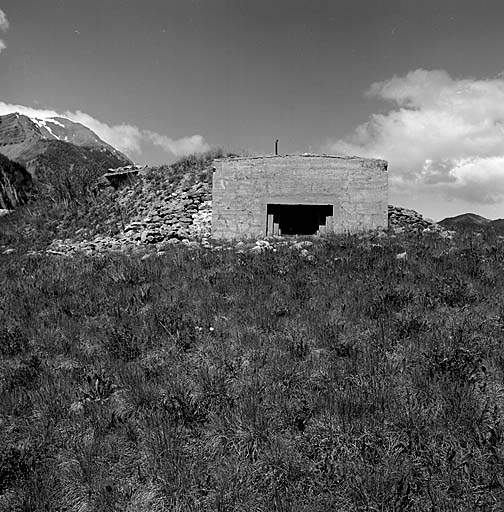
(297, 195)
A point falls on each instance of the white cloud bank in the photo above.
(444, 135)
(184, 146)
(4, 26)
(125, 137)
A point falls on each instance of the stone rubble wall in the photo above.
(402, 220)
(150, 212)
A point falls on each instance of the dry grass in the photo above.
(205, 380)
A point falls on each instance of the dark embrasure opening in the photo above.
(297, 219)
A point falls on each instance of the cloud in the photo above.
(6, 108)
(443, 135)
(4, 26)
(125, 137)
(184, 146)
(4, 22)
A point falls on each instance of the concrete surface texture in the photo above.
(298, 195)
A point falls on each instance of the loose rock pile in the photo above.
(151, 212)
(401, 220)
(185, 214)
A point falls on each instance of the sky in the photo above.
(418, 83)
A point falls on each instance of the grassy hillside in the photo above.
(336, 378)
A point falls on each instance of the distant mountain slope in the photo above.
(472, 222)
(465, 220)
(15, 184)
(497, 224)
(63, 129)
(57, 152)
(65, 164)
(23, 138)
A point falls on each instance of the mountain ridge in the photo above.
(471, 221)
(64, 158)
(22, 137)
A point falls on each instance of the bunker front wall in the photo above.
(243, 187)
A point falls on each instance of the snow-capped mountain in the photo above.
(55, 143)
(60, 128)
(22, 137)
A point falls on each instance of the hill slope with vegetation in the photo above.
(160, 204)
(16, 185)
(66, 172)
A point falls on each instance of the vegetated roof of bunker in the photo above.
(306, 155)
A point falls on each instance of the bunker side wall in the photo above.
(242, 188)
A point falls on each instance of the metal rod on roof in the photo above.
(276, 147)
